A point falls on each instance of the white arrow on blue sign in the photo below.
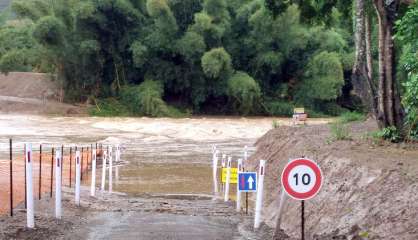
(247, 181)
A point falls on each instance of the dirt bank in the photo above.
(369, 190)
(34, 93)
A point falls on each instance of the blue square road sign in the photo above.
(247, 181)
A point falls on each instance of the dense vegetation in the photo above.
(150, 57)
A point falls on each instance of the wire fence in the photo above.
(12, 171)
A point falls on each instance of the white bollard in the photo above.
(215, 173)
(30, 218)
(245, 153)
(259, 202)
(223, 163)
(117, 174)
(77, 178)
(228, 179)
(240, 169)
(102, 187)
(223, 160)
(93, 174)
(110, 170)
(118, 153)
(58, 166)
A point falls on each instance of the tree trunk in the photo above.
(368, 38)
(390, 111)
(361, 78)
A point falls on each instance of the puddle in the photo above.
(164, 178)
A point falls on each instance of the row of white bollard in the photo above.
(30, 218)
(226, 186)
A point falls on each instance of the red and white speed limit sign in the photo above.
(302, 179)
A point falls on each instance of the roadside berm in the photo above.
(370, 188)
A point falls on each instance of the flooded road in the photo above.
(165, 175)
(160, 155)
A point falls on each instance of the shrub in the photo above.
(49, 31)
(389, 133)
(244, 91)
(351, 117)
(279, 108)
(216, 62)
(110, 107)
(191, 46)
(275, 124)
(323, 78)
(340, 131)
(145, 99)
(15, 60)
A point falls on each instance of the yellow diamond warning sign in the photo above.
(234, 175)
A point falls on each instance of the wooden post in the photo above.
(62, 161)
(88, 155)
(40, 171)
(26, 204)
(81, 165)
(246, 203)
(91, 156)
(52, 172)
(71, 161)
(11, 177)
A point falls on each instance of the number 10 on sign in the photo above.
(302, 179)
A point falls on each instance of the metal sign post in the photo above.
(302, 180)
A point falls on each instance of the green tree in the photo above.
(244, 92)
(407, 34)
(323, 78)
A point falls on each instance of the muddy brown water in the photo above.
(167, 156)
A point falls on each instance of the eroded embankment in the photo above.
(369, 191)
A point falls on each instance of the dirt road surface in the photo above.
(118, 216)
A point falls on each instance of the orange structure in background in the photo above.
(41, 179)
